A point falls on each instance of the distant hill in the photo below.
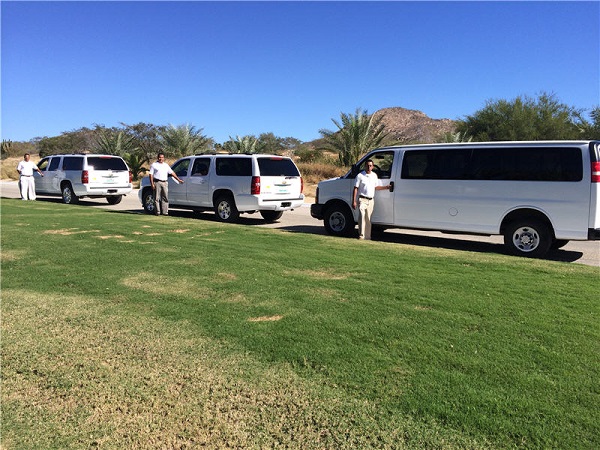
(409, 126)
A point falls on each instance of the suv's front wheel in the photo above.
(148, 201)
(68, 195)
(225, 209)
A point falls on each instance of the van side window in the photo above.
(497, 163)
(527, 164)
(383, 162)
(234, 167)
(54, 163)
(72, 163)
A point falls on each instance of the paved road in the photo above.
(300, 221)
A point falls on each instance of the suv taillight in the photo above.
(301, 185)
(596, 172)
(85, 177)
(255, 186)
(130, 176)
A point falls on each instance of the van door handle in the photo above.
(391, 186)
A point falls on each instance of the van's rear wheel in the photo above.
(338, 220)
(271, 216)
(226, 210)
(68, 195)
(530, 238)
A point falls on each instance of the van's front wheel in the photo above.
(530, 238)
(338, 220)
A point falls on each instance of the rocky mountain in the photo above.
(408, 126)
(412, 126)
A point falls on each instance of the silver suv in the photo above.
(232, 184)
(76, 176)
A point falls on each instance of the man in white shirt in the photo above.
(159, 177)
(26, 180)
(365, 186)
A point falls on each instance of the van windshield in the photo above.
(273, 167)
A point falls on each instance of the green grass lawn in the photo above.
(132, 331)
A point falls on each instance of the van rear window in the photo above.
(100, 163)
(273, 167)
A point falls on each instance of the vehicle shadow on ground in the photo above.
(442, 242)
(395, 237)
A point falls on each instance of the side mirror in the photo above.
(354, 171)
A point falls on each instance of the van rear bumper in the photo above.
(594, 234)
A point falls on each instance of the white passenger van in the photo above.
(538, 195)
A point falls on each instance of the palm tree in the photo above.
(244, 144)
(356, 134)
(111, 142)
(136, 160)
(123, 144)
(184, 140)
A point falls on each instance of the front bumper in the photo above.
(316, 210)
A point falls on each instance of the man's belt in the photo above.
(365, 197)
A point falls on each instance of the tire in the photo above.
(271, 216)
(226, 210)
(530, 238)
(114, 199)
(68, 195)
(338, 220)
(558, 243)
(148, 201)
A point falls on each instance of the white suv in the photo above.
(232, 184)
(81, 175)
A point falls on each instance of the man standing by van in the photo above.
(365, 186)
(159, 177)
(26, 181)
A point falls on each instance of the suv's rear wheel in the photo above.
(114, 199)
(531, 238)
(271, 216)
(148, 201)
(338, 220)
(225, 209)
(68, 195)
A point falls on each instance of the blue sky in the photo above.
(237, 68)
